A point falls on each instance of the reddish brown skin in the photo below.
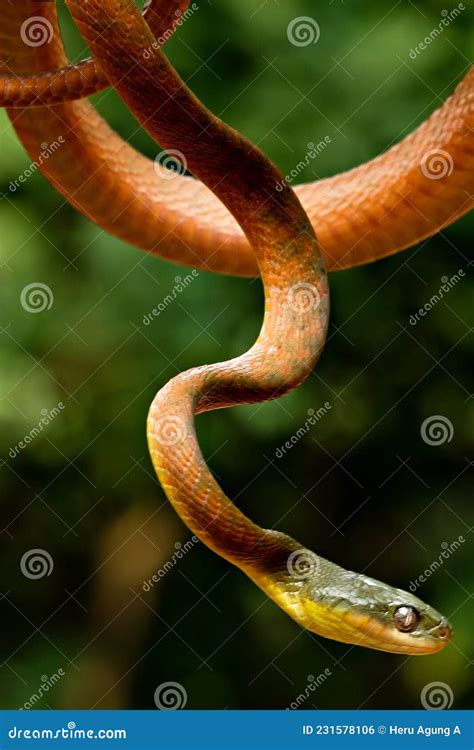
(359, 216)
(75, 81)
(284, 243)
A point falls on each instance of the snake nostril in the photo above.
(444, 632)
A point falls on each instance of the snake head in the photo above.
(367, 612)
(350, 607)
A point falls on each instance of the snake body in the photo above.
(259, 225)
(75, 81)
(412, 190)
(319, 595)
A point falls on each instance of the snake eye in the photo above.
(406, 619)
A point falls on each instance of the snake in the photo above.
(400, 197)
(74, 81)
(319, 595)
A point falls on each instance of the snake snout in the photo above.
(443, 631)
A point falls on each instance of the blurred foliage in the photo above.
(361, 488)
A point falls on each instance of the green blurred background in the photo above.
(361, 488)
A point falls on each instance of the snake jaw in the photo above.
(376, 634)
(365, 628)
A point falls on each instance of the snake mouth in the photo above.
(371, 632)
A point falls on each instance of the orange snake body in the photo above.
(237, 221)
(367, 213)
